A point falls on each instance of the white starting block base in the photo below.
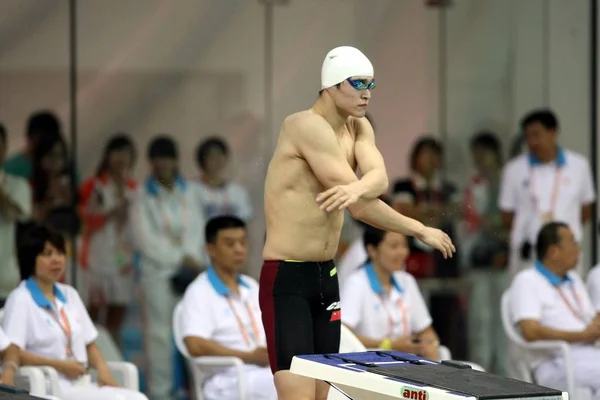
(356, 382)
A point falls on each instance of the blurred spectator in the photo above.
(549, 301)
(168, 234)
(216, 195)
(15, 206)
(382, 304)
(547, 184)
(51, 184)
(426, 196)
(40, 124)
(107, 247)
(49, 323)
(593, 284)
(484, 252)
(221, 315)
(356, 254)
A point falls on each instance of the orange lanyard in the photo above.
(554, 193)
(63, 322)
(391, 324)
(255, 333)
(579, 312)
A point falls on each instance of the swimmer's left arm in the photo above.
(374, 181)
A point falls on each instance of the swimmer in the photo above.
(310, 181)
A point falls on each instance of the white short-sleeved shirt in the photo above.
(35, 325)
(18, 190)
(371, 313)
(166, 227)
(528, 187)
(230, 199)
(593, 284)
(538, 294)
(211, 311)
(351, 260)
(4, 340)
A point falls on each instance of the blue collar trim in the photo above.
(374, 281)
(38, 296)
(218, 284)
(561, 159)
(153, 187)
(554, 279)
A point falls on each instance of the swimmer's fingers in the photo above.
(321, 197)
(337, 202)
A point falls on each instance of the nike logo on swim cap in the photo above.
(332, 57)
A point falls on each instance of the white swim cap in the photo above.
(342, 63)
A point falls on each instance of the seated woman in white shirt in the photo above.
(382, 304)
(49, 323)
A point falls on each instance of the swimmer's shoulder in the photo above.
(303, 126)
(304, 121)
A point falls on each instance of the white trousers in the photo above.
(586, 370)
(487, 340)
(94, 392)
(259, 384)
(158, 302)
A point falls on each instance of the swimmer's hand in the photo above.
(438, 240)
(339, 197)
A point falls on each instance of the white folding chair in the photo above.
(198, 364)
(528, 350)
(40, 378)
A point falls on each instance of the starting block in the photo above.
(383, 375)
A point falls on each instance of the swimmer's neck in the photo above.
(383, 276)
(325, 107)
(230, 279)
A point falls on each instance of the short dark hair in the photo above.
(373, 236)
(548, 236)
(118, 141)
(2, 133)
(213, 142)
(42, 122)
(489, 141)
(217, 224)
(428, 142)
(543, 116)
(162, 146)
(31, 243)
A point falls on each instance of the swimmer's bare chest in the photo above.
(296, 228)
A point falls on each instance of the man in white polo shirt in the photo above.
(15, 206)
(549, 301)
(548, 183)
(221, 315)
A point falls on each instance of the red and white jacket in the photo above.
(106, 247)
